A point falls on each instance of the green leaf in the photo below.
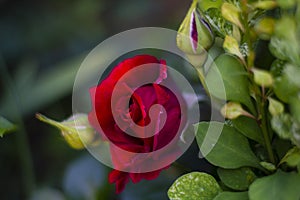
(231, 45)
(6, 126)
(262, 78)
(265, 5)
(194, 186)
(264, 27)
(224, 146)
(284, 88)
(232, 13)
(275, 107)
(282, 124)
(295, 107)
(249, 128)
(284, 44)
(293, 73)
(292, 157)
(278, 186)
(232, 196)
(205, 5)
(295, 130)
(286, 127)
(227, 79)
(285, 4)
(277, 67)
(237, 179)
(279, 48)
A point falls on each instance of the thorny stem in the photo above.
(250, 56)
(260, 102)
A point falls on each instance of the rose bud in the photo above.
(233, 110)
(194, 35)
(76, 130)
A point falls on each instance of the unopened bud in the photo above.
(262, 77)
(194, 35)
(269, 166)
(233, 110)
(76, 130)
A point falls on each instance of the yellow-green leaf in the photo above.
(194, 186)
(6, 126)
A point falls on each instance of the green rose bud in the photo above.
(268, 166)
(233, 110)
(194, 35)
(76, 130)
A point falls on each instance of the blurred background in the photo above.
(42, 44)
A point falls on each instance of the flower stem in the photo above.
(265, 131)
(201, 76)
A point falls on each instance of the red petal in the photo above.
(114, 175)
(137, 177)
(120, 184)
(119, 178)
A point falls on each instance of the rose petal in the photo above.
(142, 99)
(119, 178)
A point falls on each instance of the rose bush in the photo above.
(249, 69)
(120, 102)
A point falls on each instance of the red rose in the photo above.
(121, 105)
